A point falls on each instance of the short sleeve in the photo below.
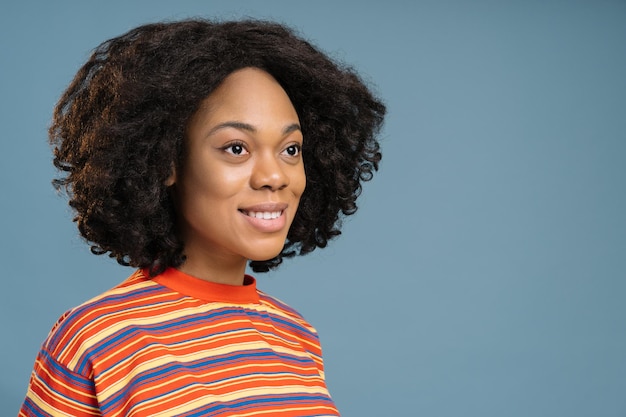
(55, 390)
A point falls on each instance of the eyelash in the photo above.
(297, 147)
(229, 149)
(232, 145)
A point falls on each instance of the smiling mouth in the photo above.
(265, 215)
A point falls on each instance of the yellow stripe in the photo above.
(82, 409)
(203, 354)
(208, 399)
(135, 321)
(228, 341)
(164, 400)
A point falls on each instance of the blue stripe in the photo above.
(80, 311)
(68, 378)
(72, 378)
(33, 409)
(252, 402)
(288, 324)
(120, 338)
(165, 371)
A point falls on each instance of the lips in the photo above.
(266, 217)
(263, 208)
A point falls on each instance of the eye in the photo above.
(293, 150)
(235, 148)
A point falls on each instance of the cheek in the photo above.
(299, 182)
(216, 182)
(228, 177)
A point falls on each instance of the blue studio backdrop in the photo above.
(485, 271)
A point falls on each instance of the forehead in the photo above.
(248, 92)
(249, 100)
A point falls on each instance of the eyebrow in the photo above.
(249, 128)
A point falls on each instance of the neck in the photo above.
(212, 268)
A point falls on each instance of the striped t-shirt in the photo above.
(175, 345)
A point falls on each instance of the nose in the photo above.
(268, 172)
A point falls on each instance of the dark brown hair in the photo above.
(119, 129)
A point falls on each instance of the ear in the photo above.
(171, 180)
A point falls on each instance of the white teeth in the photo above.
(266, 215)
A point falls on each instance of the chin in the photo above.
(265, 255)
(265, 258)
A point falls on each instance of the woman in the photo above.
(188, 149)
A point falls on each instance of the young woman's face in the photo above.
(241, 181)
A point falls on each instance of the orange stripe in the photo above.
(136, 363)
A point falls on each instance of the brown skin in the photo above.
(243, 157)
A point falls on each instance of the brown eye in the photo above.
(236, 149)
(293, 150)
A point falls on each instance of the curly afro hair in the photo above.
(119, 129)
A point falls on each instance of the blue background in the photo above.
(485, 272)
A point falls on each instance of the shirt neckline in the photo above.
(191, 286)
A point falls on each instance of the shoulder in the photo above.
(82, 328)
(275, 303)
(286, 314)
